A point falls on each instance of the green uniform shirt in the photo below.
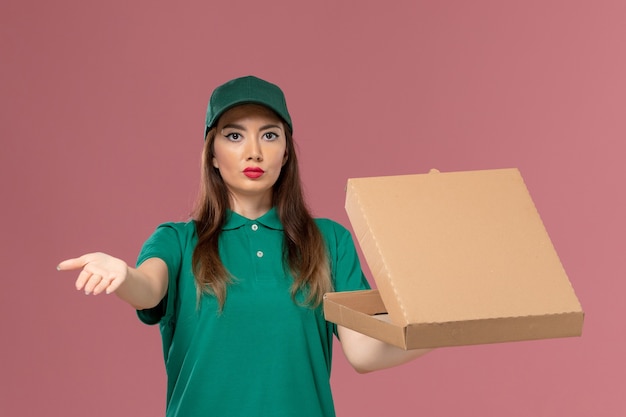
(264, 355)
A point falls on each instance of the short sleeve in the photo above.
(346, 271)
(166, 244)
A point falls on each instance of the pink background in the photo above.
(101, 118)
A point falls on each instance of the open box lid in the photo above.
(457, 247)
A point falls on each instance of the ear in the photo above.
(215, 164)
(285, 158)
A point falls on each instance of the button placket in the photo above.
(255, 227)
(265, 259)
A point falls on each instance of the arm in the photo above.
(141, 287)
(367, 354)
(364, 353)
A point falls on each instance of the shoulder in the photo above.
(180, 228)
(344, 260)
(330, 227)
(170, 236)
(334, 233)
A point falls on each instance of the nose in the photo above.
(254, 151)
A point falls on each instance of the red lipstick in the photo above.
(253, 172)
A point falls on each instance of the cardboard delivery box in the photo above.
(459, 258)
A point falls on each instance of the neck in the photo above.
(251, 207)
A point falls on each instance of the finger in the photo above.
(102, 285)
(82, 279)
(93, 281)
(114, 285)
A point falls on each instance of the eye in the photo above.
(270, 136)
(234, 136)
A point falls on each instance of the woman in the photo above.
(238, 290)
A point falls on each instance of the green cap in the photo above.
(246, 90)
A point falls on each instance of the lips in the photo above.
(253, 172)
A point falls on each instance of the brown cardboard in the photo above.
(459, 258)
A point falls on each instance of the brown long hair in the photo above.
(304, 249)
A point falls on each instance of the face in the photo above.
(249, 152)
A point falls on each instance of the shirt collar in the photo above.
(269, 219)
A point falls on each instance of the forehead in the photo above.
(249, 111)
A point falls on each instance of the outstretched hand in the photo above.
(100, 272)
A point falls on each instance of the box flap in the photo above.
(361, 311)
(459, 246)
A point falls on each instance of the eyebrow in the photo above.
(240, 127)
(270, 126)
